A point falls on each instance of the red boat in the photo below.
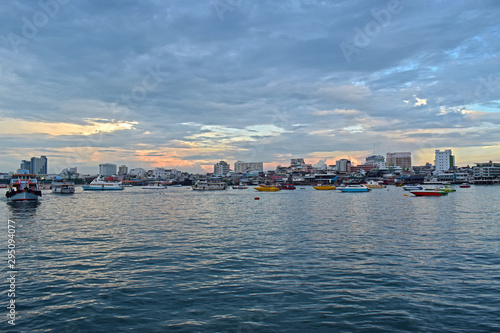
(428, 193)
(287, 187)
(464, 185)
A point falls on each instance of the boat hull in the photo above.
(428, 193)
(24, 196)
(64, 191)
(267, 189)
(325, 188)
(101, 188)
(354, 189)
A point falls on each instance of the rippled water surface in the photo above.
(293, 261)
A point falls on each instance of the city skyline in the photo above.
(187, 84)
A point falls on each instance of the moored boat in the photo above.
(412, 187)
(100, 184)
(204, 185)
(354, 188)
(321, 187)
(154, 186)
(62, 187)
(267, 188)
(239, 187)
(23, 187)
(287, 187)
(464, 185)
(374, 184)
(427, 193)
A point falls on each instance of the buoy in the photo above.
(257, 198)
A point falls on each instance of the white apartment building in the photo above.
(107, 169)
(444, 160)
(247, 167)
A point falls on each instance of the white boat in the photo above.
(63, 187)
(99, 184)
(154, 186)
(374, 184)
(412, 187)
(354, 188)
(23, 187)
(204, 185)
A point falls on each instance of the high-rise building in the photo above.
(221, 168)
(245, 167)
(343, 165)
(39, 165)
(374, 159)
(444, 160)
(107, 169)
(401, 159)
(25, 165)
(122, 170)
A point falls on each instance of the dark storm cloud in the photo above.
(402, 65)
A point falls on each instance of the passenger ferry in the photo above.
(204, 185)
(99, 184)
(62, 187)
(23, 187)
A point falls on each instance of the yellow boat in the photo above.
(325, 187)
(267, 188)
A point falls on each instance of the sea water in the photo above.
(177, 260)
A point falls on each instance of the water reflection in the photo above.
(22, 210)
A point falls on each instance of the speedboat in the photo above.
(267, 188)
(287, 187)
(464, 185)
(100, 184)
(427, 193)
(239, 187)
(324, 187)
(23, 187)
(354, 188)
(412, 187)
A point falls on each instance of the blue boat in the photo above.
(353, 188)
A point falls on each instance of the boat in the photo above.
(464, 185)
(427, 193)
(267, 188)
(177, 185)
(287, 187)
(204, 185)
(373, 184)
(23, 187)
(3, 185)
(62, 187)
(100, 184)
(154, 186)
(322, 187)
(354, 188)
(239, 187)
(412, 187)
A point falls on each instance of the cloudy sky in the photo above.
(185, 83)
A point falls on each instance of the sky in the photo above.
(184, 84)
